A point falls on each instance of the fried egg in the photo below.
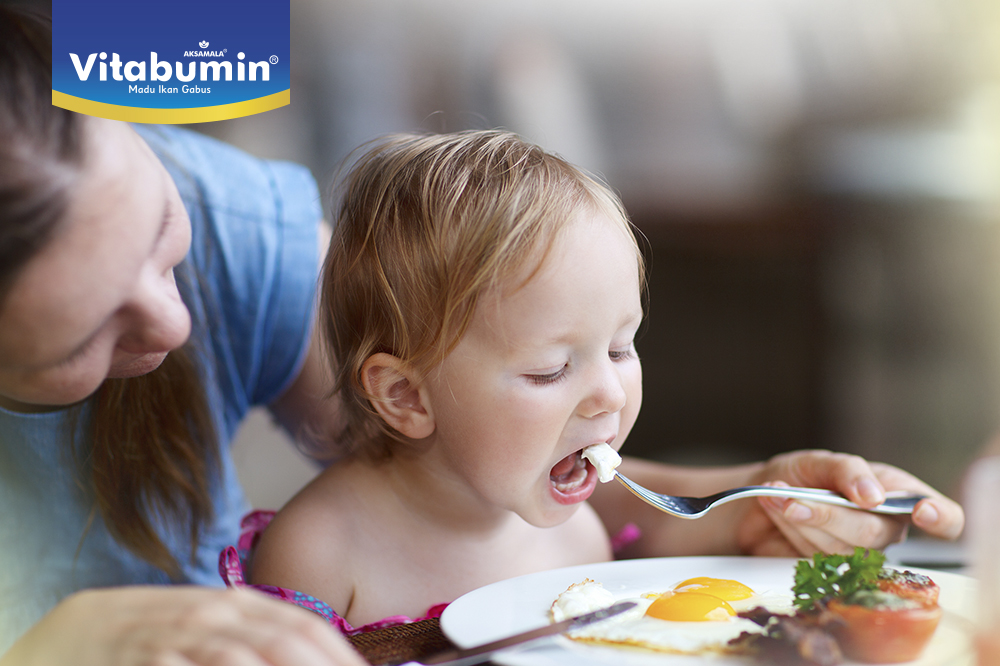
(695, 616)
(604, 459)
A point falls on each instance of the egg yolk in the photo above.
(690, 607)
(728, 590)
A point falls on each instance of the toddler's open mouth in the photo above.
(569, 473)
(573, 479)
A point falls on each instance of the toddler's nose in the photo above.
(607, 394)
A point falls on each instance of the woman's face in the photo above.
(99, 300)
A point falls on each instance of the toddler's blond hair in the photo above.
(426, 225)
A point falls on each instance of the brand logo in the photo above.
(160, 70)
(153, 74)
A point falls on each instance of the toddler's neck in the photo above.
(426, 489)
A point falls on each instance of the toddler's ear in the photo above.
(399, 397)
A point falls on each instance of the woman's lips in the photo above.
(572, 479)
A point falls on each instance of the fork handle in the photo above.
(897, 502)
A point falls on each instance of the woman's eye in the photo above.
(77, 355)
(548, 378)
(622, 354)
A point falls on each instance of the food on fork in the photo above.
(604, 459)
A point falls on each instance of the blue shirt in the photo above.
(254, 256)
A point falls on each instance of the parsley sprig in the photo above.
(835, 576)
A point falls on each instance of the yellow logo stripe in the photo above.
(204, 114)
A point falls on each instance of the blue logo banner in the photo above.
(170, 61)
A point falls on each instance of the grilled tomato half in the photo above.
(878, 627)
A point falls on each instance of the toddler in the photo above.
(481, 298)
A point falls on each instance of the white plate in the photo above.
(520, 604)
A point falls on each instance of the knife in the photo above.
(481, 653)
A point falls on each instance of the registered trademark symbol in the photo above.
(273, 60)
(224, 50)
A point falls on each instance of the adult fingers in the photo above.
(850, 475)
(937, 515)
(170, 658)
(757, 534)
(804, 539)
(226, 651)
(244, 627)
(256, 644)
(190, 626)
(776, 546)
(834, 529)
(865, 484)
(311, 641)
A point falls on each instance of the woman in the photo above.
(155, 285)
(131, 485)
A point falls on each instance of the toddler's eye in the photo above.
(548, 378)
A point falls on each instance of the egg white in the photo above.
(634, 629)
(604, 459)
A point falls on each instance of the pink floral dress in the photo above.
(233, 565)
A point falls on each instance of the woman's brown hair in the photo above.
(426, 225)
(152, 448)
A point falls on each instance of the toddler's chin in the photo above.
(551, 516)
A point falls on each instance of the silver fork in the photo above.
(896, 502)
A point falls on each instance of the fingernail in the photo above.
(773, 503)
(870, 491)
(927, 514)
(798, 513)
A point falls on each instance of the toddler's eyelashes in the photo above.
(548, 378)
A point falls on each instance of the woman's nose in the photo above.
(158, 320)
(607, 392)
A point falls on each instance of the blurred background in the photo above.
(818, 181)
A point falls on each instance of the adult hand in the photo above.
(179, 626)
(988, 648)
(786, 527)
